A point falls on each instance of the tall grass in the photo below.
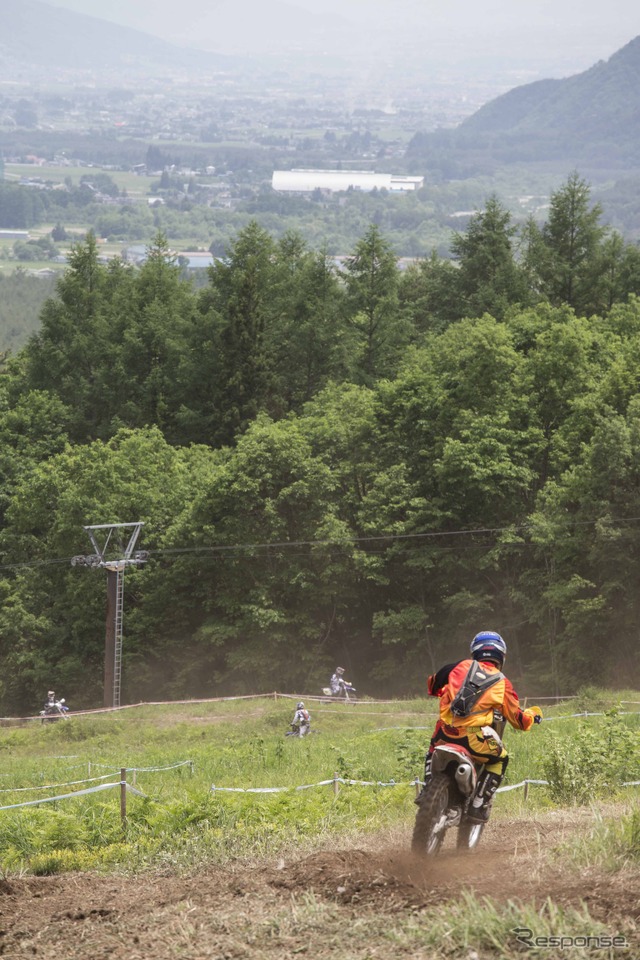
(469, 928)
(231, 744)
(611, 844)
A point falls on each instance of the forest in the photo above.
(361, 464)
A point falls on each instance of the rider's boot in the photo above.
(480, 807)
(427, 777)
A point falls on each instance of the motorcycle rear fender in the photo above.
(464, 769)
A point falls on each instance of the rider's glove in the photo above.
(537, 714)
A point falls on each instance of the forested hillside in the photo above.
(363, 465)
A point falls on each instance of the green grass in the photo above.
(488, 926)
(473, 929)
(233, 744)
(611, 844)
(9, 266)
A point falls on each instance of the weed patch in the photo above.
(597, 761)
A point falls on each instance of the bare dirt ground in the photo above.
(362, 902)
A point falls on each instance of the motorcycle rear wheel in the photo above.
(469, 835)
(428, 832)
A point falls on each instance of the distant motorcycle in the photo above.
(294, 731)
(346, 691)
(298, 730)
(55, 710)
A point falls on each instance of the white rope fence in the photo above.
(124, 787)
(585, 713)
(308, 786)
(172, 766)
(568, 716)
(106, 786)
(417, 783)
(336, 780)
(274, 695)
(54, 786)
(76, 793)
(524, 783)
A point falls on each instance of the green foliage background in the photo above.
(347, 463)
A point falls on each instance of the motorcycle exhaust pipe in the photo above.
(464, 778)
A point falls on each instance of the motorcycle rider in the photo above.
(336, 683)
(301, 723)
(53, 707)
(50, 702)
(474, 730)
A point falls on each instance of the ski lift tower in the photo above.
(101, 535)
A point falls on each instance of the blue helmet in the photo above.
(489, 645)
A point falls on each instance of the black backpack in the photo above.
(474, 685)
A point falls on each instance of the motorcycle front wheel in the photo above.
(430, 825)
(469, 835)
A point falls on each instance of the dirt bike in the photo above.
(347, 691)
(455, 779)
(295, 732)
(55, 710)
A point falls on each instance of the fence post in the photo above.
(123, 798)
(526, 790)
(417, 786)
(89, 768)
(336, 784)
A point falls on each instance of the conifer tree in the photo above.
(371, 279)
(489, 279)
(569, 261)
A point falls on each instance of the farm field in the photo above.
(32, 266)
(136, 185)
(199, 873)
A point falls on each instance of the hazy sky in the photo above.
(547, 34)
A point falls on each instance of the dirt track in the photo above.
(341, 904)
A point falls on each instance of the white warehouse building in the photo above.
(305, 181)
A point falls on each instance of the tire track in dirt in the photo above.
(164, 915)
(510, 863)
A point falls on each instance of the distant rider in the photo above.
(53, 707)
(337, 683)
(301, 723)
(476, 730)
(50, 702)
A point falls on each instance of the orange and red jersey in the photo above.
(446, 683)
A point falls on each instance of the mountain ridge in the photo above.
(592, 117)
(37, 36)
